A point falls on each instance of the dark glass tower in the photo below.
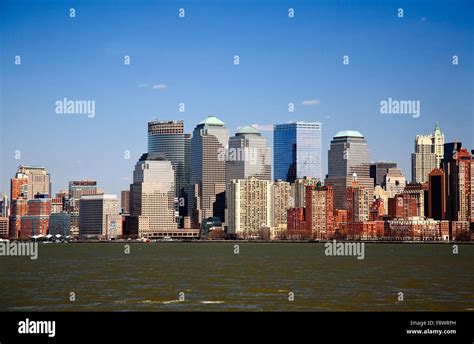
(297, 151)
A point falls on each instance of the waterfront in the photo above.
(211, 277)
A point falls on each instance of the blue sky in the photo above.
(282, 60)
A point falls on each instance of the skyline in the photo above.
(281, 61)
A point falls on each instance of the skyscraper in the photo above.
(168, 138)
(99, 216)
(423, 160)
(437, 140)
(457, 172)
(348, 155)
(297, 150)
(248, 155)
(29, 181)
(436, 195)
(152, 205)
(206, 196)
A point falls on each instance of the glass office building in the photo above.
(297, 150)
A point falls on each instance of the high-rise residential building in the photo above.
(436, 195)
(282, 200)
(358, 202)
(423, 160)
(457, 172)
(297, 151)
(394, 182)
(206, 196)
(36, 220)
(249, 207)
(152, 205)
(99, 216)
(248, 155)
(348, 155)
(168, 138)
(125, 201)
(379, 169)
(4, 227)
(437, 140)
(30, 181)
(319, 218)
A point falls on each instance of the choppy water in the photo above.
(260, 278)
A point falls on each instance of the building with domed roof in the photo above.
(248, 155)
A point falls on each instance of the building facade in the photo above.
(297, 151)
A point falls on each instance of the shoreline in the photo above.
(122, 241)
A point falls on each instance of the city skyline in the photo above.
(84, 56)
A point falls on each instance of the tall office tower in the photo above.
(457, 172)
(37, 219)
(168, 138)
(152, 203)
(379, 169)
(319, 211)
(249, 207)
(436, 195)
(4, 225)
(348, 154)
(79, 188)
(99, 216)
(207, 183)
(298, 191)
(437, 140)
(394, 182)
(37, 182)
(358, 202)
(248, 155)
(423, 161)
(297, 151)
(125, 201)
(282, 200)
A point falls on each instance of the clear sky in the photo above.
(190, 60)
